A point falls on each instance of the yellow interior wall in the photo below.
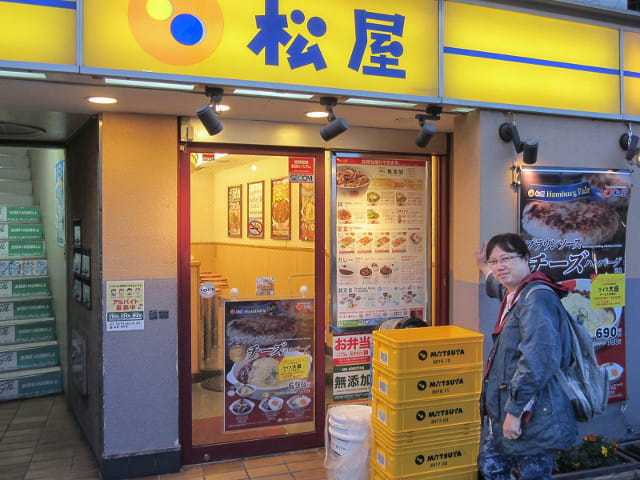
(139, 192)
(243, 260)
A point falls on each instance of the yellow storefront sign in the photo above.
(631, 73)
(360, 45)
(507, 57)
(38, 31)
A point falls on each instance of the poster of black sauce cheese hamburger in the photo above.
(268, 363)
(574, 223)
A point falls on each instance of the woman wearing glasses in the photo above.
(527, 417)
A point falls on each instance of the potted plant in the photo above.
(594, 456)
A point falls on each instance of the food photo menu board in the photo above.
(574, 223)
(380, 249)
(269, 378)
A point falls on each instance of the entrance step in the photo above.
(30, 383)
(27, 331)
(26, 356)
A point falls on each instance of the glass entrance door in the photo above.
(252, 370)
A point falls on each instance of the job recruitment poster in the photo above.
(574, 223)
(380, 248)
(268, 363)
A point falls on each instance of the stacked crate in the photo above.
(425, 392)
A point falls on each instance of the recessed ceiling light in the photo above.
(147, 84)
(19, 74)
(317, 114)
(222, 108)
(102, 100)
(269, 93)
(379, 103)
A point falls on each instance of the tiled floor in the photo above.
(40, 440)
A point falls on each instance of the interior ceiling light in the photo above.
(317, 114)
(222, 108)
(427, 130)
(508, 132)
(148, 84)
(20, 74)
(12, 130)
(270, 93)
(630, 143)
(206, 112)
(102, 100)
(336, 125)
(380, 103)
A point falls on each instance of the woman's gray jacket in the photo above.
(532, 344)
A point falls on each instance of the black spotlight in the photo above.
(509, 133)
(427, 131)
(337, 125)
(630, 143)
(207, 113)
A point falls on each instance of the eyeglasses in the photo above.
(502, 260)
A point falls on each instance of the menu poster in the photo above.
(268, 363)
(307, 211)
(574, 223)
(281, 209)
(380, 249)
(234, 211)
(351, 366)
(255, 210)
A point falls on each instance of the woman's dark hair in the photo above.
(509, 242)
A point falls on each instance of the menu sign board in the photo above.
(268, 363)
(574, 223)
(380, 249)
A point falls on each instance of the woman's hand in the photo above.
(511, 427)
(481, 260)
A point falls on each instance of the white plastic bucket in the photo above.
(349, 441)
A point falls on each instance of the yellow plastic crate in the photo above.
(425, 414)
(463, 473)
(443, 456)
(426, 385)
(466, 432)
(414, 349)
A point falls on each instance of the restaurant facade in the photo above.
(215, 289)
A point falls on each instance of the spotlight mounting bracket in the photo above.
(433, 113)
(329, 103)
(214, 93)
(508, 132)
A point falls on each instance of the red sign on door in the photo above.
(300, 170)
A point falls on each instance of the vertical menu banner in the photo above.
(574, 223)
(381, 249)
(268, 363)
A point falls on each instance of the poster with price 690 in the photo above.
(574, 223)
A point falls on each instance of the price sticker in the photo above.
(293, 367)
(607, 290)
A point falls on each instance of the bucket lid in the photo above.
(345, 415)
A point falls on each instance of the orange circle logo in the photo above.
(178, 32)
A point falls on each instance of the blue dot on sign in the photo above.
(317, 26)
(187, 29)
(297, 16)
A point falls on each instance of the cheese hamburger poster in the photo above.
(574, 223)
